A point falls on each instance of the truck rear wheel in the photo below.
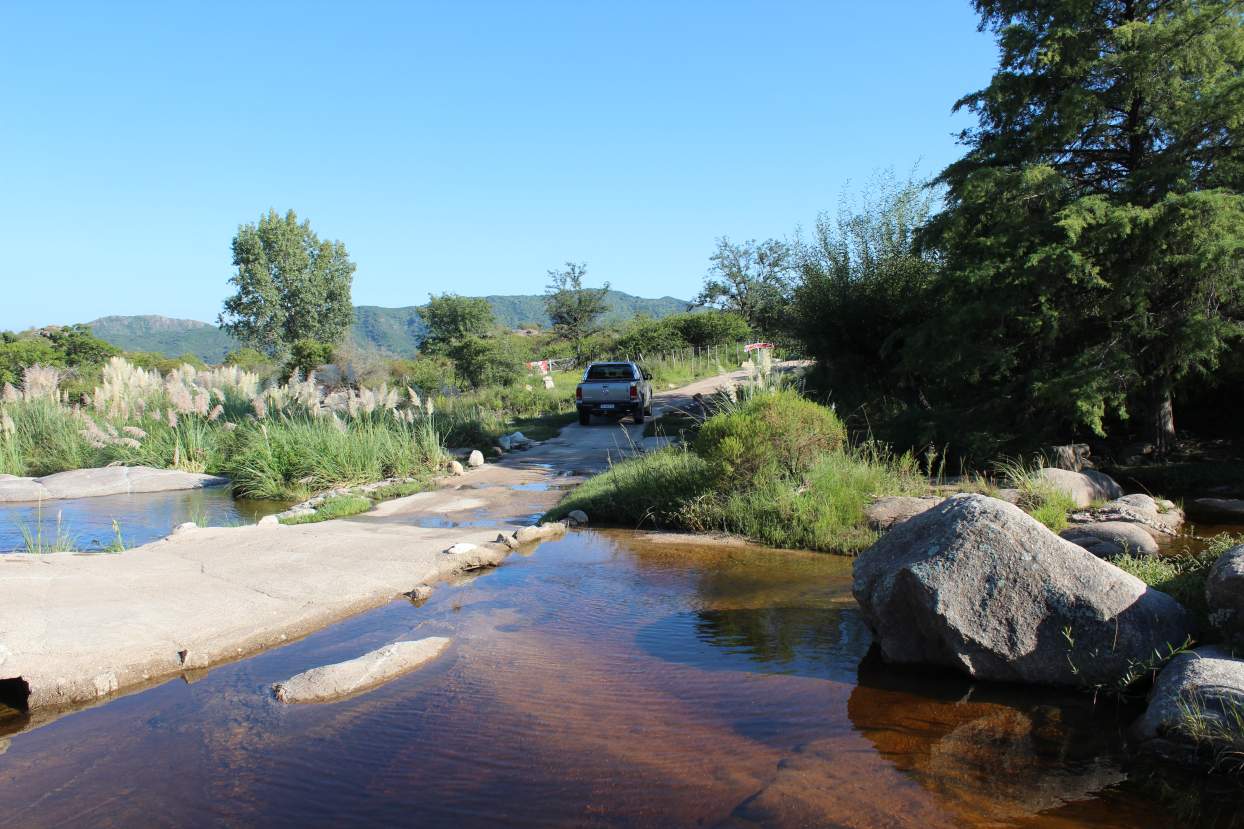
(585, 418)
(639, 415)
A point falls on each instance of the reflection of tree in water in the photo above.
(786, 640)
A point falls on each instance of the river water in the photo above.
(87, 523)
(604, 680)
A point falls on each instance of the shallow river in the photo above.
(87, 523)
(603, 680)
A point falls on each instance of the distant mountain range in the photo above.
(397, 331)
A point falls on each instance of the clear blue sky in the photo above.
(464, 147)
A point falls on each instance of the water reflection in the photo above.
(88, 522)
(602, 680)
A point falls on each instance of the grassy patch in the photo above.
(399, 490)
(773, 468)
(545, 426)
(339, 506)
(1181, 577)
(1037, 496)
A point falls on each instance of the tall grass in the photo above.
(741, 477)
(1037, 495)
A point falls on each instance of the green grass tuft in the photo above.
(340, 506)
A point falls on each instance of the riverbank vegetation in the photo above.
(769, 465)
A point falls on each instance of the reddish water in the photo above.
(603, 681)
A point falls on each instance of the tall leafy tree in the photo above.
(1094, 232)
(451, 318)
(752, 279)
(574, 310)
(291, 286)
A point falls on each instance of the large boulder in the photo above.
(1224, 595)
(1085, 486)
(978, 585)
(1107, 539)
(885, 512)
(1196, 711)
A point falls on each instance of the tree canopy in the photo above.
(290, 285)
(1093, 236)
(752, 279)
(451, 318)
(574, 310)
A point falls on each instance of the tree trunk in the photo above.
(1162, 420)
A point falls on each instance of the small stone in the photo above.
(476, 458)
(456, 468)
(461, 548)
(185, 528)
(269, 521)
(577, 518)
(419, 593)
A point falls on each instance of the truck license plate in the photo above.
(606, 405)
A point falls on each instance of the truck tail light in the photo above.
(634, 391)
(578, 393)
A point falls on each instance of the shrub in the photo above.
(1181, 577)
(772, 434)
(338, 506)
(650, 488)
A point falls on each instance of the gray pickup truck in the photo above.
(614, 389)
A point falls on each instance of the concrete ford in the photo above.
(614, 389)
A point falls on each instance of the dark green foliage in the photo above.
(306, 355)
(70, 346)
(753, 280)
(486, 361)
(249, 359)
(450, 319)
(774, 435)
(1095, 221)
(862, 288)
(290, 286)
(574, 310)
(705, 328)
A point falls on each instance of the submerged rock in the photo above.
(344, 679)
(1085, 486)
(884, 513)
(1227, 510)
(978, 585)
(1224, 594)
(1196, 710)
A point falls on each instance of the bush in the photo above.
(428, 373)
(648, 489)
(772, 434)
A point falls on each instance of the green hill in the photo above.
(164, 335)
(397, 331)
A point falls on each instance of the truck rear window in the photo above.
(611, 371)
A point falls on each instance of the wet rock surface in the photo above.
(1224, 595)
(977, 585)
(355, 676)
(1196, 711)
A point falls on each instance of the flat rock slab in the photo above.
(104, 480)
(371, 670)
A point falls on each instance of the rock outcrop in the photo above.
(885, 512)
(1085, 486)
(1224, 595)
(978, 585)
(345, 679)
(104, 480)
(1196, 711)
(1107, 539)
